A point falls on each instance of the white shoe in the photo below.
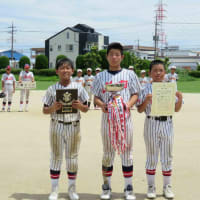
(72, 193)
(106, 193)
(20, 109)
(3, 109)
(8, 110)
(53, 196)
(151, 193)
(128, 193)
(167, 192)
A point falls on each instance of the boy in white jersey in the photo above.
(172, 76)
(158, 134)
(79, 79)
(128, 95)
(143, 79)
(25, 75)
(88, 83)
(8, 87)
(64, 129)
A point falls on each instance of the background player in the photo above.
(79, 79)
(115, 74)
(158, 134)
(64, 129)
(88, 83)
(25, 75)
(8, 87)
(172, 76)
(143, 79)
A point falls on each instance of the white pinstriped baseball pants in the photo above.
(64, 137)
(26, 93)
(8, 90)
(108, 151)
(158, 137)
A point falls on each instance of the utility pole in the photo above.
(12, 32)
(156, 38)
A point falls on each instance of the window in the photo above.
(51, 65)
(59, 47)
(51, 48)
(69, 47)
(67, 35)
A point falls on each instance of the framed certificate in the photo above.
(163, 99)
(66, 97)
(25, 85)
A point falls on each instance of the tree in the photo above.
(80, 62)
(41, 62)
(60, 57)
(127, 60)
(92, 59)
(104, 62)
(24, 60)
(4, 62)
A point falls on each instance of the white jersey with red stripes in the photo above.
(26, 76)
(79, 80)
(8, 79)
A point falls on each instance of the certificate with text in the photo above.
(163, 99)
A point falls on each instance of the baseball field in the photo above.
(24, 155)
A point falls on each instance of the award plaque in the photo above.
(66, 97)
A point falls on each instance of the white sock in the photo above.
(71, 182)
(128, 181)
(166, 180)
(21, 106)
(26, 106)
(151, 179)
(54, 185)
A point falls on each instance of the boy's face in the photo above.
(142, 75)
(114, 57)
(89, 72)
(8, 71)
(157, 73)
(79, 74)
(173, 71)
(64, 71)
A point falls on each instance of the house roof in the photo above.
(16, 55)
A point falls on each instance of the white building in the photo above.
(73, 41)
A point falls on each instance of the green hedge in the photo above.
(195, 74)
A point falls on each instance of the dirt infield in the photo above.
(24, 155)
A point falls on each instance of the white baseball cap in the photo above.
(98, 69)
(89, 69)
(173, 67)
(131, 67)
(79, 70)
(143, 71)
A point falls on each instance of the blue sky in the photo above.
(125, 21)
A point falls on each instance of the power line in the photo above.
(12, 32)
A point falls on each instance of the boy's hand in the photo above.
(104, 108)
(149, 98)
(76, 104)
(56, 106)
(179, 95)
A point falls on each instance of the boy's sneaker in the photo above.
(8, 110)
(151, 193)
(72, 192)
(167, 192)
(128, 193)
(53, 196)
(3, 109)
(106, 193)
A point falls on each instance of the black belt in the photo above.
(66, 123)
(160, 118)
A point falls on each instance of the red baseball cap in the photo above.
(26, 66)
(8, 67)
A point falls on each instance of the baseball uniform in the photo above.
(8, 80)
(79, 80)
(25, 76)
(64, 132)
(131, 86)
(143, 81)
(88, 84)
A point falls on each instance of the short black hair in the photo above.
(62, 61)
(156, 62)
(115, 45)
